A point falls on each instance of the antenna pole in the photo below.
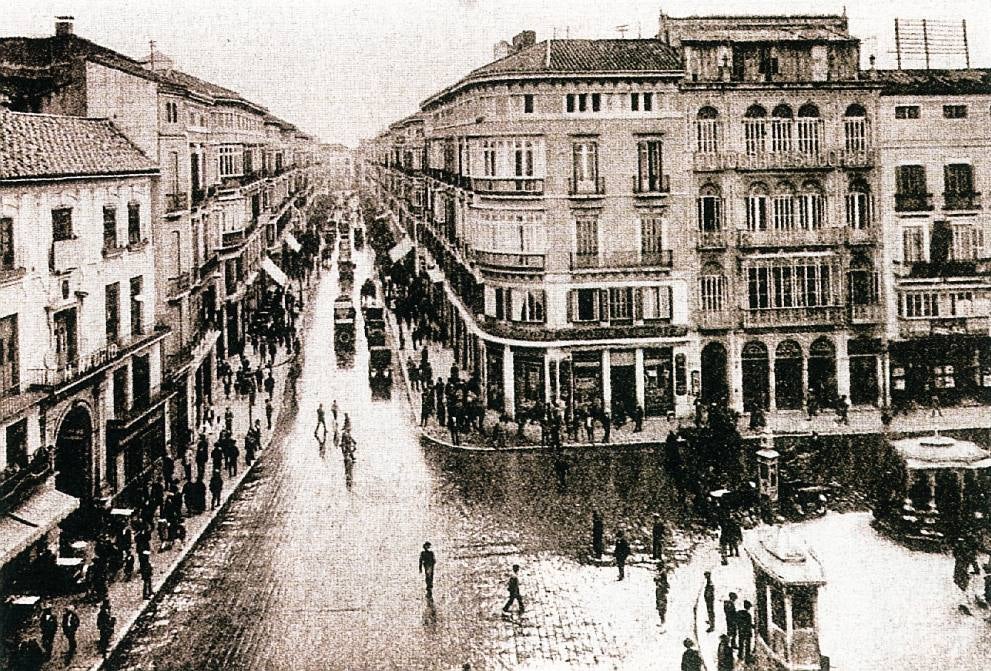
(151, 45)
(966, 46)
(898, 45)
(925, 41)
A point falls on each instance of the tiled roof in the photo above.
(44, 145)
(932, 82)
(576, 56)
(42, 52)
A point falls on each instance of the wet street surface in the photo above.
(301, 572)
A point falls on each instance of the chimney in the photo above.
(501, 50)
(63, 25)
(525, 39)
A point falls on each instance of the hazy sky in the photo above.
(344, 69)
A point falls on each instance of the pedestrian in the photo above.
(202, 456)
(934, 404)
(598, 546)
(811, 403)
(270, 385)
(70, 624)
(590, 427)
(729, 610)
(657, 538)
(269, 409)
(606, 425)
(105, 623)
(745, 633)
(217, 454)
(514, 590)
(227, 388)
(638, 419)
(843, 411)
(49, 627)
(145, 569)
(427, 563)
(333, 409)
(621, 553)
(425, 408)
(322, 420)
(724, 654)
(690, 658)
(216, 487)
(709, 594)
(228, 420)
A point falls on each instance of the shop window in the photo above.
(585, 305)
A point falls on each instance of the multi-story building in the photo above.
(780, 126)
(935, 152)
(550, 202)
(231, 192)
(80, 353)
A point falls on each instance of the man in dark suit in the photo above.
(729, 610)
(427, 563)
(745, 633)
(621, 553)
(514, 590)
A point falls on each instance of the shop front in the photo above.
(586, 379)
(494, 376)
(528, 378)
(135, 447)
(658, 392)
(954, 368)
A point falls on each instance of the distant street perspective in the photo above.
(657, 352)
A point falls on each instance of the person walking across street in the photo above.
(268, 413)
(49, 627)
(333, 409)
(228, 419)
(105, 623)
(745, 633)
(514, 590)
(216, 487)
(729, 610)
(657, 538)
(145, 569)
(427, 563)
(270, 385)
(709, 594)
(70, 624)
(621, 553)
(322, 420)
(661, 589)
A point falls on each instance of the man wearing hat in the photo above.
(709, 594)
(690, 659)
(427, 563)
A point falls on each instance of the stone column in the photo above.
(606, 381)
(483, 372)
(734, 373)
(548, 397)
(772, 400)
(508, 382)
(638, 374)
(842, 367)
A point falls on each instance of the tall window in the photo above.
(133, 223)
(523, 158)
(651, 240)
(6, 243)
(62, 224)
(10, 373)
(488, 158)
(585, 166)
(958, 180)
(650, 177)
(781, 128)
(229, 158)
(710, 209)
(802, 283)
(858, 205)
(855, 128)
(587, 239)
(783, 209)
(811, 206)
(620, 304)
(755, 130)
(66, 345)
(707, 131)
(111, 297)
(757, 207)
(910, 188)
(809, 130)
(528, 103)
(137, 303)
(913, 244)
(585, 305)
(712, 289)
(655, 303)
(967, 243)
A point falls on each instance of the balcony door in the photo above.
(66, 339)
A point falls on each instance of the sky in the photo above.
(345, 69)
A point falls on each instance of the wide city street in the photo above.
(303, 572)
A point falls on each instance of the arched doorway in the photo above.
(73, 446)
(788, 375)
(822, 371)
(715, 385)
(864, 371)
(753, 361)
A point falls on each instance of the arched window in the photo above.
(783, 210)
(858, 205)
(781, 128)
(809, 130)
(788, 349)
(754, 350)
(710, 208)
(755, 129)
(712, 288)
(822, 347)
(757, 207)
(707, 130)
(855, 128)
(862, 281)
(811, 206)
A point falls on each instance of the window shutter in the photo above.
(603, 305)
(664, 302)
(575, 163)
(490, 301)
(518, 300)
(638, 299)
(643, 165)
(572, 305)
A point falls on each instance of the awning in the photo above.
(293, 242)
(274, 271)
(400, 250)
(435, 274)
(31, 520)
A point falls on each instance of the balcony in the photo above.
(913, 202)
(861, 236)
(772, 317)
(710, 239)
(621, 260)
(781, 160)
(66, 254)
(175, 202)
(927, 270)
(69, 372)
(141, 405)
(587, 188)
(794, 237)
(962, 201)
(508, 261)
(716, 319)
(18, 483)
(652, 187)
(920, 328)
(866, 314)
(513, 186)
(179, 284)
(232, 238)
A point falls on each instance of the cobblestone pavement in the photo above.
(303, 572)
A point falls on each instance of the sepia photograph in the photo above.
(495, 335)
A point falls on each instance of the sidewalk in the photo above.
(125, 595)
(655, 429)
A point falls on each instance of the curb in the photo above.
(169, 575)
